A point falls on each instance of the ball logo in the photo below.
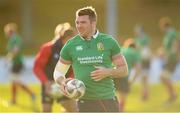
(100, 46)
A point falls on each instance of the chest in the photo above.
(91, 52)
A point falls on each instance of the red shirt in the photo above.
(41, 60)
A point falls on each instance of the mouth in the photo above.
(82, 32)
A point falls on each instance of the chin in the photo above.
(82, 35)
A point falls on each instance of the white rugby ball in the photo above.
(75, 88)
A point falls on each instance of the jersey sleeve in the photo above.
(65, 52)
(115, 47)
(14, 42)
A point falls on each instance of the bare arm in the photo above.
(11, 54)
(120, 70)
(60, 70)
(138, 71)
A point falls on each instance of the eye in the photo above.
(77, 22)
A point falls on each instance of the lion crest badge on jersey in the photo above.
(100, 46)
(79, 48)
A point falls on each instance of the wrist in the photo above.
(60, 80)
(111, 72)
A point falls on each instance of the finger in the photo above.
(99, 67)
(97, 79)
(63, 90)
(95, 75)
(95, 72)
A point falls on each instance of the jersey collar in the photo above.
(94, 36)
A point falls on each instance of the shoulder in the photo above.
(107, 38)
(73, 40)
(16, 38)
(172, 31)
(46, 46)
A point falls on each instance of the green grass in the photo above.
(156, 102)
(24, 103)
(158, 95)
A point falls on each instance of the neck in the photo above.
(89, 36)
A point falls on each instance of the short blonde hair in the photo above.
(89, 10)
(63, 31)
(60, 28)
(10, 27)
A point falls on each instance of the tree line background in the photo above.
(42, 16)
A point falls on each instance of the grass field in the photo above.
(155, 103)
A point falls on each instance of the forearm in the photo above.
(9, 56)
(60, 72)
(102, 72)
(60, 80)
(121, 67)
(58, 76)
(119, 72)
(15, 51)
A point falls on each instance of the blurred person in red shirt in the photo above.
(45, 62)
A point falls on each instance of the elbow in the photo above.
(55, 77)
(36, 68)
(126, 72)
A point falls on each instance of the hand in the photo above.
(100, 73)
(63, 85)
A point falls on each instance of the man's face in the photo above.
(162, 27)
(8, 33)
(84, 25)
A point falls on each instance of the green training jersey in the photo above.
(14, 41)
(143, 45)
(132, 56)
(169, 39)
(142, 41)
(84, 55)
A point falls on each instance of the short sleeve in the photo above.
(65, 52)
(115, 47)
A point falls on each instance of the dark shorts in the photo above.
(48, 99)
(145, 63)
(16, 68)
(170, 64)
(108, 105)
(122, 85)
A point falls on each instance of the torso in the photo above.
(87, 54)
